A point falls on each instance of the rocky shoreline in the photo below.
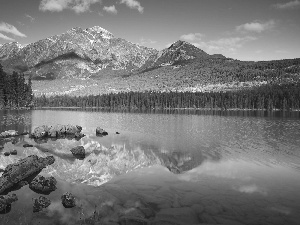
(26, 172)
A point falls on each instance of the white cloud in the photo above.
(2, 36)
(7, 28)
(144, 41)
(281, 51)
(110, 9)
(30, 18)
(256, 26)
(133, 4)
(230, 44)
(78, 6)
(289, 5)
(192, 36)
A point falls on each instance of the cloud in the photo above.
(78, 6)
(223, 44)
(7, 28)
(110, 9)
(256, 26)
(144, 41)
(281, 51)
(30, 18)
(2, 36)
(133, 4)
(192, 36)
(289, 5)
(230, 44)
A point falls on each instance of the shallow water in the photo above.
(235, 168)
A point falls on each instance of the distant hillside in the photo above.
(196, 75)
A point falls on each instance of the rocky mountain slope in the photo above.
(76, 53)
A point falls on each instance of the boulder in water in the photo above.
(24, 168)
(40, 203)
(27, 145)
(13, 152)
(100, 131)
(78, 152)
(5, 202)
(8, 133)
(43, 185)
(68, 200)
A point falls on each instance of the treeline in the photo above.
(14, 91)
(267, 97)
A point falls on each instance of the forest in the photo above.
(266, 97)
(14, 91)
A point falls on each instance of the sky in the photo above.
(240, 29)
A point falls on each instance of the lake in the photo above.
(171, 167)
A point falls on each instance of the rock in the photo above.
(5, 202)
(40, 203)
(9, 133)
(27, 145)
(40, 132)
(60, 130)
(16, 172)
(78, 135)
(6, 153)
(100, 131)
(56, 131)
(68, 200)
(43, 185)
(71, 129)
(52, 132)
(13, 152)
(78, 152)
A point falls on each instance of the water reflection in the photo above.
(181, 168)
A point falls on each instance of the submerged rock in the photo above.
(13, 152)
(16, 172)
(100, 131)
(40, 203)
(78, 152)
(68, 200)
(43, 185)
(5, 202)
(27, 145)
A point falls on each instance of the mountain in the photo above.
(177, 52)
(76, 53)
(93, 61)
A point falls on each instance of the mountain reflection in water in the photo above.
(165, 169)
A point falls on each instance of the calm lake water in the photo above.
(234, 167)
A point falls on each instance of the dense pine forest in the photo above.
(267, 97)
(14, 91)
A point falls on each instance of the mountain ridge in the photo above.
(95, 47)
(94, 61)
